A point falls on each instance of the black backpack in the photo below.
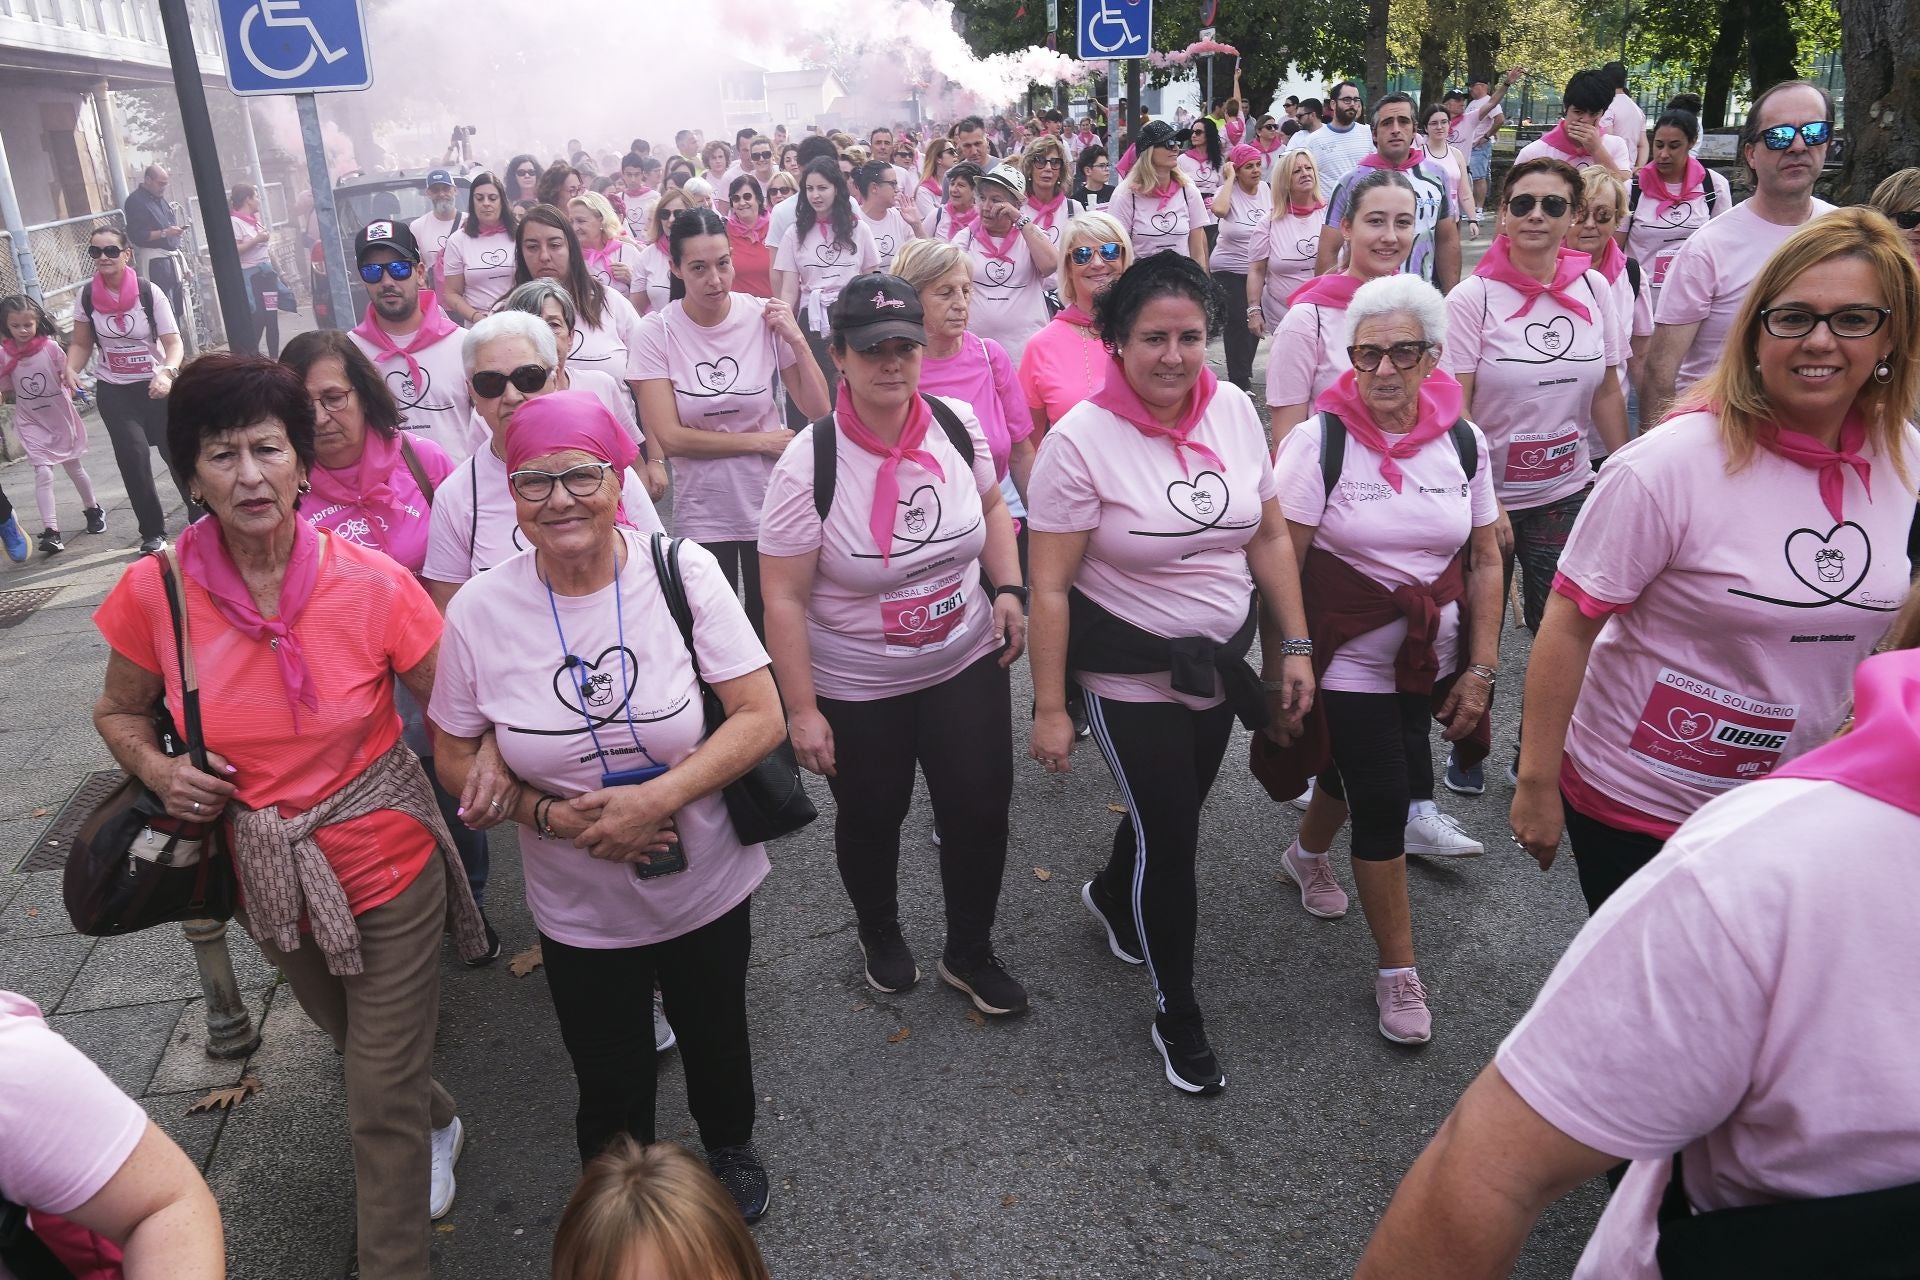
(1333, 450)
(826, 457)
(146, 305)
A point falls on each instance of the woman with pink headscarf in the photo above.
(1240, 209)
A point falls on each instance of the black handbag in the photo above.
(1869, 1235)
(133, 865)
(768, 800)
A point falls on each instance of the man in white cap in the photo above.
(431, 229)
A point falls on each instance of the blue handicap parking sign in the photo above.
(294, 46)
(1116, 28)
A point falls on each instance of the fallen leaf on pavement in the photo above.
(526, 962)
(900, 1035)
(976, 1017)
(224, 1099)
(1041, 873)
(1007, 1202)
(33, 913)
(39, 813)
(1116, 808)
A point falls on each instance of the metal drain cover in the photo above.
(15, 606)
(50, 852)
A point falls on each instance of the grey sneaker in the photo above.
(663, 1036)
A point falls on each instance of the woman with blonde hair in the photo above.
(1158, 204)
(1293, 237)
(656, 262)
(931, 194)
(1044, 165)
(1898, 196)
(1733, 567)
(1603, 208)
(653, 1211)
(611, 258)
(1065, 362)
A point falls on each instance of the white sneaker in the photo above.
(663, 1036)
(446, 1153)
(1304, 799)
(1434, 834)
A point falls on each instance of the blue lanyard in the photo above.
(574, 664)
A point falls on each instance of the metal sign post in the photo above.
(1115, 31)
(303, 47)
(203, 155)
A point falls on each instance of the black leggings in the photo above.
(604, 1001)
(136, 423)
(1605, 855)
(1539, 536)
(1382, 762)
(822, 356)
(740, 562)
(959, 731)
(1165, 758)
(1237, 337)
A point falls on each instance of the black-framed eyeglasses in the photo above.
(1858, 321)
(1348, 100)
(333, 401)
(1553, 206)
(99, 251)
(1050, 162)
(1815, 133)
(761, 155)
(1907, 219)
(1404, 355)
(527, 379)
(582, 481)
(1109, 252)
(372, 271)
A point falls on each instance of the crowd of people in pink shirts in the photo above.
(919, 405)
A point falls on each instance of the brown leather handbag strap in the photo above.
(414, 468)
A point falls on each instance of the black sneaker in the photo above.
(987, 982)
(51, 543)
(1122, 938)
(96, 520)
(1191, 1066)
(744, 1177)
(890, 965)
(150, 545)
(492, 952)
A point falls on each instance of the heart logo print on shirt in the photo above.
(33, 386)
(495, 257)
(118, 324)
(1202, 500)
(1832, 565)
(884, 243)
(1164, 223)
(920, 514)
(1688, 726)
(914, 619)
(998, 271)
(828, 254)
(1552, 339)
(1532, 457)
(599, 683)
(1307, 246)
(401, 384)
(717, 375)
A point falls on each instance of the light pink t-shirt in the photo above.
(397, 527)
(1307, 355)
(612, 393)
(1154, 224)
(824, 266)
(1534, 379)
(1293, 241)
(463, 541)
(1700, 1010)
(514, 679)
(723, 380)
(878, 630)
(1052, 224)
(1009, 296)
(486, 263)
(65, 1129)
(890, 233)
(627, 254)
(1398, 539)
(655, 278)
(432, 234)
(1205, 179)
(1617, 151)
(126, 347)
(1478, 119)
(1064, 364)
(1654, 241)
(1243, 232)
(1749, 607)
(607, 346)
(51, 430)
(1168, 545)
(1709, 277)
(437, 407)
(1627, 122)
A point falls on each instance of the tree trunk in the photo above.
(1772, 47)
(1724, 63)
(1483, 48)
(1880, 52)
(1377, 12)
(1433, 64)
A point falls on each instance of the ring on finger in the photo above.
(196, 806)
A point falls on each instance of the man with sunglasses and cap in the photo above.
(431, 229)
(411, 341)
(1012, 261)
(1784, 144)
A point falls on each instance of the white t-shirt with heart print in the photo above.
(723, 379)
(126, 347)
(890, 233)
(1009, 296)
(607, 346)
(1243, 232)
(1654, 240)
(1153, 225)
(438, 407)
(486, 262)
(824, 266)
(1293, 242)
(1740, 609)
(1534, 379)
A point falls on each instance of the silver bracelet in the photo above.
(1296, 648)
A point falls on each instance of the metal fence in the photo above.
(59, 252)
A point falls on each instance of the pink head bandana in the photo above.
(570, 420)
(1244, 154)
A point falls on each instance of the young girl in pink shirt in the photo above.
(33, 374)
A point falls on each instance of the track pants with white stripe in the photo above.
(1165, 758)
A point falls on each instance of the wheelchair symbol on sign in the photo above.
(285, 13)
(1106, 17)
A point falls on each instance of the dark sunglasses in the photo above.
(1404, 355)
(97, 251)
(1816, 133)
(526, 173)
(527, 379)
(372, 271)
(1907, 219)
(1109, 252)
(582, 481)
(1552, 206)
(761, 155)
(1050, 162)
(1858, 321)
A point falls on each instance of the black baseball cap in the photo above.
(876, 307)
(383, 233)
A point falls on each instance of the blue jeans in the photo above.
(1480, 162)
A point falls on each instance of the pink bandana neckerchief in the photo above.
(1571, 265)
(601, 259)
(1118, 397)
(1612, 262)
(123, 301)
(1375, 160)
(1199, 156)
(1001, 249)
(1332, 291)
(369, 485)
(1265, 147)
(958, 222)
(1086, 139)
(1072, 314)
(247, 218)
(1166, 193)
(934, 185)
(1305, 210)
(1560, 140)
(886, 485)
(1439, 409)
(13, 352)
(1692, 184)
(1798, 446)
(434, 326)
(755, 234)
(204, 555)
(1045, 211)
(1876, 756)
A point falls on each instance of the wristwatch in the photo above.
(1018, 593)
(1021, 225)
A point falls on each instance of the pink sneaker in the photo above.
(1320, 893)
(1404, 1017)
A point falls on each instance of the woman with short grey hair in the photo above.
(550, 300)
(1391, 510)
